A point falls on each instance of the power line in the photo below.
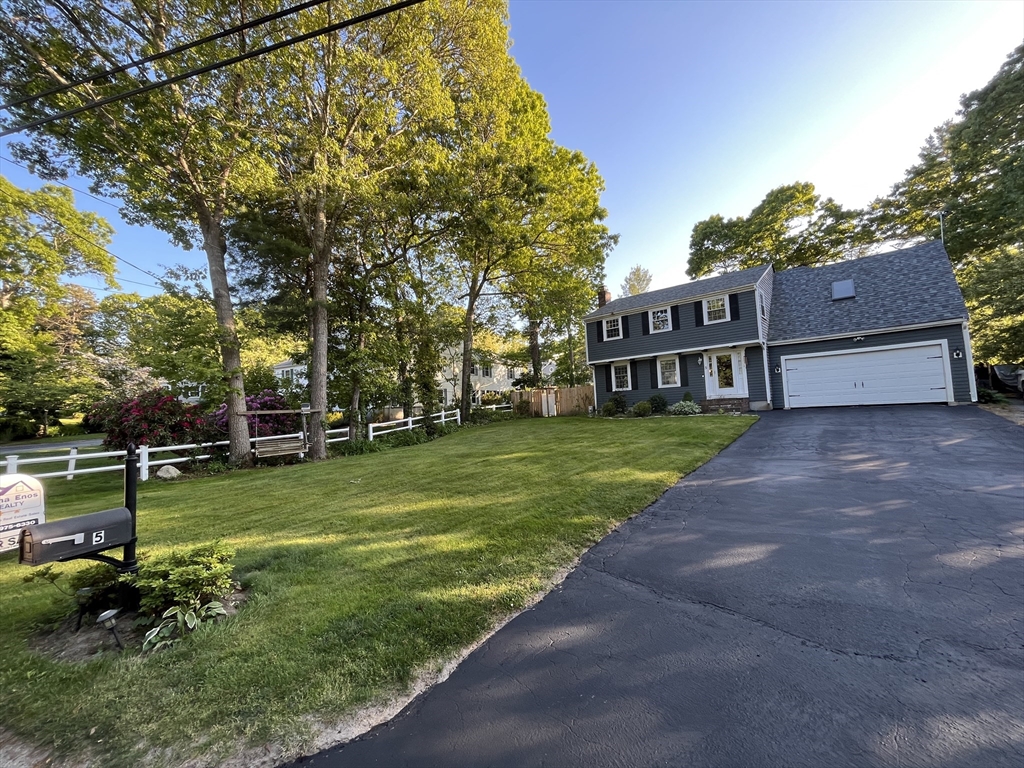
(212, 67)
(61, 183)
(170, 52)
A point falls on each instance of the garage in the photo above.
(908, 373)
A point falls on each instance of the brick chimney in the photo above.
(603, 297)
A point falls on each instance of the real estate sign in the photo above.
(21, 504)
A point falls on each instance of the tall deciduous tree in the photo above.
(176, 156)
(638, 280)
(791, 227)
(44, 241)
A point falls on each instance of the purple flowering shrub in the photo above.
(264, 425)
(154, 418)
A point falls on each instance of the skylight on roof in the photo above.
(842, 289)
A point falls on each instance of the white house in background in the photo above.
(493, 377)
(291, 372)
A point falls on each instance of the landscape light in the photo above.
(82, 596)
(108, 621)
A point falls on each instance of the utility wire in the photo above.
(170, 52)
(61, 183)
(93, 243)
(212, 67)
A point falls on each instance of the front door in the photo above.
(725, 374)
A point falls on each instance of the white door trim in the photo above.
(739, 373)
(947, 372)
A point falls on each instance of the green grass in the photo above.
(362, 569)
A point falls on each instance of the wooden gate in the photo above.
(569, 401)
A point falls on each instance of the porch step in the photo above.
(726, 405)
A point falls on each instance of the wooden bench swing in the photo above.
(278, 446)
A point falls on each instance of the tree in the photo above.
(791, 227)
(177, 156)
(969, 189)
(44, 320)
(638, 280)
(993, 287)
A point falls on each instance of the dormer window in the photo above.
(716, 310)
(842, 289)
(660, 320)
(612, 328)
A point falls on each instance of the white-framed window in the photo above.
(612, 328)
(764, 307)
(661, 320)
(620, 376)
(512, 373)
(472, 369)
(668, 371)
(716, 310)
(485, 369)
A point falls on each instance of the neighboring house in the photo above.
(292, 372)
(890, 328)
(484, 377)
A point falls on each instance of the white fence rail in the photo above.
(401, 425)
(501, 407)
(12, 463)
(340, 437)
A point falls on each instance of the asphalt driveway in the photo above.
(838, 587)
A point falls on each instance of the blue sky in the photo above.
(692, 108)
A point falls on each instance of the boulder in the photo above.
(167, 473)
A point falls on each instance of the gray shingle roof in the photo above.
(680, 293)
(906, 287)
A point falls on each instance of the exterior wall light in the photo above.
(958, 354)
(108, 621)
(778, 369)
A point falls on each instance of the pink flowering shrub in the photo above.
(154, 418)
(261, 426)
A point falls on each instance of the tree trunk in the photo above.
(534, 330)
(572, 359)
(475, 286)
(318, 360)
(230, 348)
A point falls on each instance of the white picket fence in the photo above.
(501, 407)
(12, 463)
(401, 425)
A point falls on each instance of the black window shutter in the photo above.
(624, 325)
(654, 373)
(684, 376)
(632, 375)
(607, 378)
(675, 317)
(698, 313)
(645, 323)
(734, 306)
(600, 330)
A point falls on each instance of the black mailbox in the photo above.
(75, 536)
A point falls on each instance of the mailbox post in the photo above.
(86, 536)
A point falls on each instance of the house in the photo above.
(889, 328)
(291, 372)
(495, 377)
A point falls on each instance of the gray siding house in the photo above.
(890, 328)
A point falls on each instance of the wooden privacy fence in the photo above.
(568, 401)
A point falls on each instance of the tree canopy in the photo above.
(791, 227)
(638, 280)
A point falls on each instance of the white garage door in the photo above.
(915, 374)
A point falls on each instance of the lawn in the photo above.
(362, 570)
